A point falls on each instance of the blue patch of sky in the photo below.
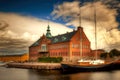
(71, 26)
(27, 7)
(118, 19)
(36, 8)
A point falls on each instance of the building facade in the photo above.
(97, 53)
(71, 46)
(15, 58)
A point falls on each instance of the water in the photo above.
(29, 74)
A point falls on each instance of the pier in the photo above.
(35, 65)
(51, 66)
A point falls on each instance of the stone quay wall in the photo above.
(35, 65)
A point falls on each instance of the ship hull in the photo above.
(79, 68)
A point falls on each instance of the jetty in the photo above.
(50, 66)
(35, 65)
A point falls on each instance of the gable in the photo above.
(85, 38)
(80, 33)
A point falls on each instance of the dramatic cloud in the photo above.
(18, 32)
(112, 3)
(107, 32)
(3, 25)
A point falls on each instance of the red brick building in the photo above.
(97, 53)
(71, 46)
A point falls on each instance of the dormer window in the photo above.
(36, 43)
(63, 38)
(55, 40)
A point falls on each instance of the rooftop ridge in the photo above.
(63, 34)
(63, 37)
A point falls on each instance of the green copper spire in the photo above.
(48, 34)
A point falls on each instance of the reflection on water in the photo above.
(100, 76)
(13, 74)
(27, 74)
(47, 75)
(116, 75)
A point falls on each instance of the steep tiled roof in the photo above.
(36, 43)
(56, 39)
(63, 37)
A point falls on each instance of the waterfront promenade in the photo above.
(35, 65)
(49, 66)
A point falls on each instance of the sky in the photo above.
(22, 22)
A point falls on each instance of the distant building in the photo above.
(15, 57)
(96, 53)
(71, 46)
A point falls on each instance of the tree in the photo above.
(103, 55)
(114, 52)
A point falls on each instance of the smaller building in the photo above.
(97, 53)
(16, 57)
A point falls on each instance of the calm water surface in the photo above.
(29, 74)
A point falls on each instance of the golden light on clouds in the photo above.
(107, 32)
(18, 32)
(22, 31)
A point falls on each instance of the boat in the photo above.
(88, 65)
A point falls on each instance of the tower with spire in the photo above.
(48, 34)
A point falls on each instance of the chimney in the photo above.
(79, 28)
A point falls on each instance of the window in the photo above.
(43, 47)
(55, 40)
(63, 38)
(72, 45)
(75, 45)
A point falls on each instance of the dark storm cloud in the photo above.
(113, 4)
(10, 45)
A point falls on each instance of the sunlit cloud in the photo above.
(107, 32)
(18, 32)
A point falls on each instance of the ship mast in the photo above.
(95, 21)
(80, 16)
(80, 32)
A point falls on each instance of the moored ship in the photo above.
(96, 65)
